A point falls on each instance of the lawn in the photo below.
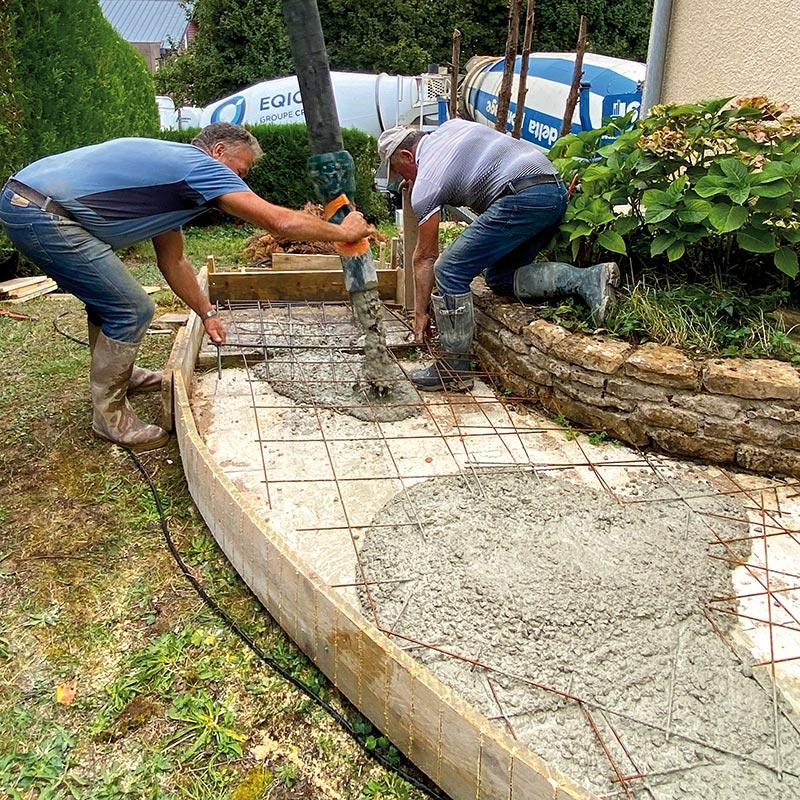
(116, 680)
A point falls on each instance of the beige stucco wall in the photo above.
(733, 47)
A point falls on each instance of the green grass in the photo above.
(169, 704)
(703, 320)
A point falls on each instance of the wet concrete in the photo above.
(554, 582)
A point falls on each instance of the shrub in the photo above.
(281, 176)
(75, 81)
(713, 185)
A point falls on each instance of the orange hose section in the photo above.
(344, 248)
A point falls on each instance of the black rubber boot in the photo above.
(594, 285)
(455, 321)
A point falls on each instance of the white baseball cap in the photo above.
(388, 142)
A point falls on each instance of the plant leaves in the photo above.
(735, 170)
(776, 188)
(726, 218)
(661, 243)
(694, 210)
(612, 241)
(786, 261)
(676, 251)
(756, 241)
(709, 185)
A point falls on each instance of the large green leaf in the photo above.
(709, 185)
(694, 210)
(791, 235)
(658, 206)
(775, 188)
(612, 241)
(739, 194)
(626, 224)
(772, 204)
(726, 218)
(755, 241)
(735, 170)
(786, 261)
(581, 229)
(676, 251)
(661, 243)
(676, 189)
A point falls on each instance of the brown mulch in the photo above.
(260, 246)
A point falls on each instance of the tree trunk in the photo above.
(454, 66)
(523, 70)
(577, 74)
(504, 95)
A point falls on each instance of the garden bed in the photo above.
(721, 410)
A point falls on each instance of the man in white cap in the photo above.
(520, 199)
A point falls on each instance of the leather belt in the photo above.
(46, 204)
(525, 182)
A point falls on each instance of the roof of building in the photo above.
(163, 21)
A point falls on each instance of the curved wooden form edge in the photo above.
(460, 750)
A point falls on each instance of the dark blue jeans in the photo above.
(508, 235)
(81, 264)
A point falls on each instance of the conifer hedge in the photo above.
(281, 176)
(67, 80)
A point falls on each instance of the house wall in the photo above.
(733, 47)
(151, 52)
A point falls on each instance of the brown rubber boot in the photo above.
(142, 380)
(113, 418)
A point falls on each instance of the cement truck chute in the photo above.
(609, 87)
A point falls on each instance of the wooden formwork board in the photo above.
(283, 262)
(291, 285)
(469, 757)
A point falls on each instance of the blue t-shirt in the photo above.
(127, 190)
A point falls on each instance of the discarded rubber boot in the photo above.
(455, 321)
(142, 380)
(594, 285)
(113, 419)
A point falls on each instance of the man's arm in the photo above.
(425, 254)
(180, 276)
(289, 224)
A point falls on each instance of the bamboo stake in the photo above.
(504, 95)
(522, 90)
(454, 67)
(572, 99)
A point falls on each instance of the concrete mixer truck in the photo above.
(372, 103)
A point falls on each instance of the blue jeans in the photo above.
(82, 265)
(508, 235)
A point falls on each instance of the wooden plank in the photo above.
(24, 291)
(444, 736)
(301, 261)
(290, 286)
(45, 289)
(409, 245)
(21, 283)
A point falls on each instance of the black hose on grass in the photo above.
(230, 623)
(343, 722)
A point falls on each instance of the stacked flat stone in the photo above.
(721, 410)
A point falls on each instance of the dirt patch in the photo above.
(548, 581)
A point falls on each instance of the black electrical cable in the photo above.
(343, 722)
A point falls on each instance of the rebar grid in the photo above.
(281, 322)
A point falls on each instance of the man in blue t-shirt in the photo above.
(69, 211)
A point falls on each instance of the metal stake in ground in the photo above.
(333, 172)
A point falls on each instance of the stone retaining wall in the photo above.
(722, 410)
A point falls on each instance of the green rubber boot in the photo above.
(594, 285)
(455, 321)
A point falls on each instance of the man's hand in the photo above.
(356, 227)
(422, 327)
(215, 330)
